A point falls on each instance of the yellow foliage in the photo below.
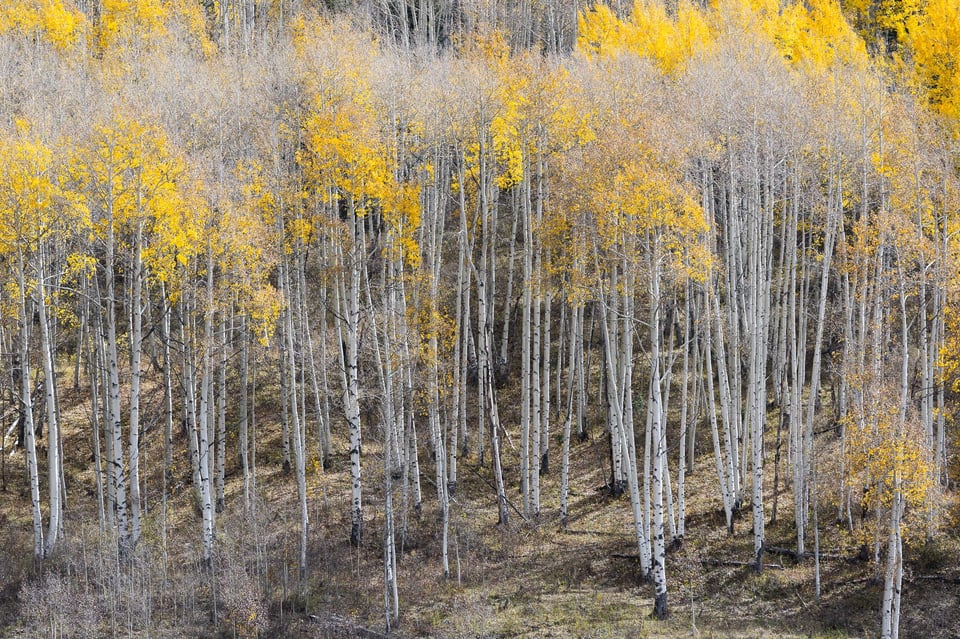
(349, 151)
(813, 35)
(63, 25)
(599, 31)
(33, 201)
(124, 21)
(885, 455)
(897, 17)
(670, 41)
(402, 212)
(55, 21)
(818, 34)
(134, 176)
(935, 42)
(508, 126)
(188, 16)
(264, 307)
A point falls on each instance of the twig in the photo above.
(943, 578)
(340, 625)
(773, 550)
(738, 564)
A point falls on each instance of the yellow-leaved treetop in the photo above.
(127, 21)
(817, 34)
(887, 459)
(54, 21)
(935, 44)
(156, 26)
(669, 41)
(248, 236)
(37, 214)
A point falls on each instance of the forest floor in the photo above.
(521, 579)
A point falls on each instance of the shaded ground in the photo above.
(525, 579)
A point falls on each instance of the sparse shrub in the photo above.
(937, 554)
(57, 606)
(240, 601)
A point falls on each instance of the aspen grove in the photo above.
(306, 298)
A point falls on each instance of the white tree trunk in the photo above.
(351, 316)
(658, 437)
(26, 414)
(297, 431)
(50, 401)
(136, 351)
(203, 419)
(112, 420)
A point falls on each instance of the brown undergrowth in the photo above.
(527, 578)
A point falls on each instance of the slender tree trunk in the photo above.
(575, 360)
(167, 388)
(351, 307)
(221, 418)
(244, 434)
(723, 468)
(113, 422)
(889, 626)
(136, 352)
(53, 426)
(96, 370)
(26, 413)
(297, 431)
(203, 419)
(658, 435)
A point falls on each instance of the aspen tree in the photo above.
(35, 210)
(343, 164)
(58, 23)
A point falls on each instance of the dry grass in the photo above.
(525, 579)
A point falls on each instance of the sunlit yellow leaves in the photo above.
(80, 266)
(507, 145)
(264, 307)
(342, 151)
(64, 26)
(623, 202)
(126, 21)
(187, 16)
(669, 41)
(508, 124)
(599, 31)
(885, 456)
(176, 230)
(897, 17)
(349, 156)
(54, 21)
(935, 43)
(649, 33)
(813, 35)
(649, 198)
(130, 35)
(138, 186)
(33, 201)
(401, 212)
(344, 154)
(434, 327)
(817, 33)
(246, 245)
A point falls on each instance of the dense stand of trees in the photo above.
(726, 229)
